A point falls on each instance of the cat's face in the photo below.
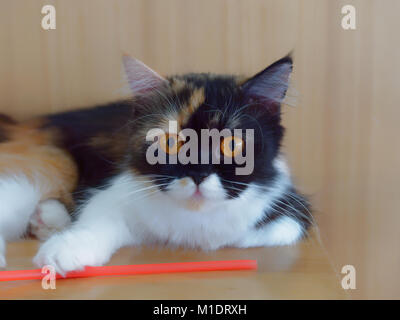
(198, 102)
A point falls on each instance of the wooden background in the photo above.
(342, 138)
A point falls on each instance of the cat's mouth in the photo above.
(198, 195)
(196, 201)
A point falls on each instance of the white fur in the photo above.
(132, 212)
(101, 230)
(283, 231)
(51, 216)
(19, 207)
(211, 188)
(18, 201)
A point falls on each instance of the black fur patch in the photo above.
(77, 131)
(4, 119)
(3, 135)
(292, 204)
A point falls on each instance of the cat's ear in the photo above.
(140, 77)
(269, 86)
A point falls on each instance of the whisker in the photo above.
(295, 210)
(145, 196)
(310, 218)
(295, 198)
(147, 188)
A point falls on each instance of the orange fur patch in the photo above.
(32, 152)
(194, 205)
(196, 100)
(177, 84)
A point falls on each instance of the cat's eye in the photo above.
(170, 143)
(232, 146)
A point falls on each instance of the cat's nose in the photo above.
(199, 177)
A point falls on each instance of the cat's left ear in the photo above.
(269, 86)
(140, 77)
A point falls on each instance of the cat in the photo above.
(36, 182)
(122, 199)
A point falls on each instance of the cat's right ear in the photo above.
(141, 78)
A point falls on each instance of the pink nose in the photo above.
(197, 194)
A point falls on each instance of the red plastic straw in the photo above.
(136, 269)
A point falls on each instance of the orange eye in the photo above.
(170, 143)
(232, 146)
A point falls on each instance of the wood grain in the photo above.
(297, 272)
(342, 135)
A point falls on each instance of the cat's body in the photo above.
(125, 200)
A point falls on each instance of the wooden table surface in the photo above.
(298, 272)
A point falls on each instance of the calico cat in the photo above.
(36, 182)
(124, 200)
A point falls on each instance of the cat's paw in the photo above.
(283, 231)
(70, 250)
(51, 216)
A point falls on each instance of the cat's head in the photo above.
(206, 101)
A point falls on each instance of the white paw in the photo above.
(51, 216)
(71, 250)
(283, 231)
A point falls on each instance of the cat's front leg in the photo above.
(283, 231)
(100, 230)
